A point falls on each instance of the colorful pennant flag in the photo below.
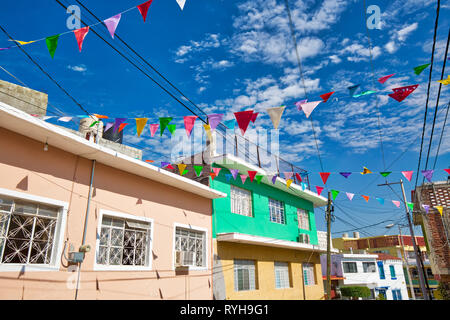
(112, 24)
(365, 198)
(275, 115)
(108, 126)
(428, 174)
(426, 207)
(22, 42)
(288, 175)
(52, 43)
(299, 178)
(259, 178)
(181, 167)
(214, 120)
(366, 171)
(418, 70)
(228, 176)
(324, 176)
(100, 116)
(140, 125)
(230, 123)
(143, 8)
(94, 123)
(181, 3)
(198, 170)
(208, 131)
(408, 174)
(234, 173)
(309, 107)
(447, 170)
(319, 190)
(345, 174)
(334, 193)
(385, 173)
(410, 205)
(445, 81)
(326, 96)
(274, 179)
(189, 124)
(352, 89)
(364, 93)
(251, 175)
(396, 203)
(243, 119)
(440, 209)
(380, 200)
(254, 115)
(172, 128)
(401, 93)
(80, 34)
(350, 195)
(216, 171)
(154, 128)
(299, 104)
(122, 126)
(117, 123)
(213, 175)
(243, 178)
(163, 123)
(382, 80)
(65, 119)
(288, 182)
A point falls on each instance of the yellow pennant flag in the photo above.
(208, 130)
(23, 42)
(140, 125)
(181, 168)
(445, 81)
(288, 182)
(440, 209)
(366, 171)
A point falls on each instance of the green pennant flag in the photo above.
(198, 170)
(184, 172)
(386, 173)
(93, 124)
(172, 128)
(334, 193)
(52, 43)
(418, 70)
(410, 205)
(259, 178)
(163, 122)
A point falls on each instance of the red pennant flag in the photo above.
(326, 96)
(254, 115)
(122, 125)
(213, 175)
(385, 78)
(169, 166)
(243, 119)
(401, 93)
(324, 176)
(319, 190)
(366, 198)
(252, 175)
(80, 34)
(299, 178)
(447, 170)
(189, 124)
(143, 8)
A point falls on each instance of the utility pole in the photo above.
(416, 249)
(328, 216)
(405, 258)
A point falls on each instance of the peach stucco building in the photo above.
(138, 217)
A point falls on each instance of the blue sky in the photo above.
(230, 56)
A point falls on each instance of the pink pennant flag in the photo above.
(189, 124)
(350, 195)
(154, 128)
(80, 34)
(216, 171)
(288, 175)
(385, 78)
(309, 107)
(243, 178)
(319, 190)
(397, 203)
(112, 24)
(408, 174)
(143, 8)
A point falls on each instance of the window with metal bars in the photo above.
(303, 219)
(308, 273)
(244, 275)
(282, 279)
(27, 232)
(192, 241)
(241, 201)
(277, 211)
(124, 242)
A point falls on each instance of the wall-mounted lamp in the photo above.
(46, 146)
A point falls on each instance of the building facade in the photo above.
(67, 202)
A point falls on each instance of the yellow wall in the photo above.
(265, 274)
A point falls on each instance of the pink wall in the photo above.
(58, 175)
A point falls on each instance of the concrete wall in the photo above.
(30, 101)
(26, 168)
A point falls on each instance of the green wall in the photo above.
(260, 224)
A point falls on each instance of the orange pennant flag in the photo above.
(366, 198)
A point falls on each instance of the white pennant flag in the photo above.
(309, 107)
(47, 117)
(350, 195)
(65, 119)
(275, 115)
(181, 3)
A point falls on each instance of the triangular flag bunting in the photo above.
(352, 89)
(298, 104)
(274, 179)
(80, 34)
(309, 107)
(21, 42)
(408, 174)
(198, 170)
(326, 96)
(154, 128)
(445, 82)
(397, 203)
(364, 93)
(140, 125)
(189, 124)
(334, 193)
(259, 178)
(345, 174)
(52, 43)
(254, 115)
(164, 122)
(234, 173)
(324, 176)
(401, 93)
(117, 123)
(440, 209)
(350, 195)
(181, 167)
(366, 171)
(112, 24)
(288, 175)
(216, 170)
(428, 174)
(447, 170)
(319, 190)
(385, 173)
(288, 182)
(184, 172)
(418, 70)
(213, 175)
(410, 205)
(230, 123)
(228, 176)
(143, 8)
(366, 198)
(208, 131)
(299, 178)
(181, 3)
(252, 174)
(275, 115)
(94, 123)
(380, 200)
(122, 126)
(214, 120)
(385, 78)
(172, 128)
(108, 126)
(243, 178)
(426, 207)
(65, 119)
(243, 119)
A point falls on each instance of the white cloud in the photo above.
(80, 68)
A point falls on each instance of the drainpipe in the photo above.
(86, 223)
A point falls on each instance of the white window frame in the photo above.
(283, 213)
(206, 245)
(303, 218)
(59, 232)
(250, 203)
(308, 268)
(236, 285)
(284, 267)
(126, 216)
(356, 264)
(372, 263)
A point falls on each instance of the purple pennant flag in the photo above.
(299, 104)
(112, 23)
(163, 164)
(108, 126)
(428, 174)
(118, 122)
(214, 120)
(345, 174)
(234, 173)
(274, 179)
(426, 207)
